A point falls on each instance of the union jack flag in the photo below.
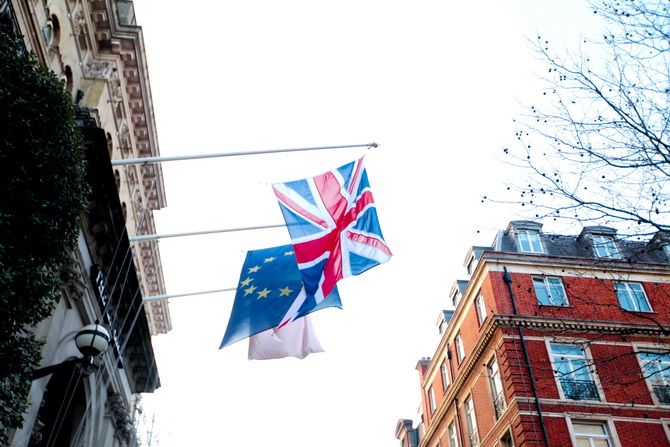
(332, 220)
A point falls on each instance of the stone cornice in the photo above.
(545, 324)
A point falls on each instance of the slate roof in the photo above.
(582, 246)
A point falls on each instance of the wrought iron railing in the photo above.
(662, 392)
(579, 389)
(499, 405)
(474, 438)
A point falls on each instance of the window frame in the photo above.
(610, 432)
(507, 440)
(548, 288)
(607, 243)
(648, 378)
(496, 387)
(453, 435)
(460, 349)
(445, 375)
(632, 296)
(526, 237)
(480, 308)
(471, 420)
(588, 368)
(432, 404)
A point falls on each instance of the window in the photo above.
(507, 440)
(604, 247)
(481, 308)
(656, 369)
(496, 388)
(445, 375)
(455, 299)
(549, 291)
(453, 435)
(529, 241)
(431, 399)
(572, 371)
(591, 434)
(471, 422)
(460, 353)
(631, 297)
(472, 263)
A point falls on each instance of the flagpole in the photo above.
(134, 161)
(148, 237)
(164, 297)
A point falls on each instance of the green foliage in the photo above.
(43, 196)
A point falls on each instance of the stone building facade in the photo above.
(554, 340)
(97, 49)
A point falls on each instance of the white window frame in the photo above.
(481, 308)
(471, 420)
(431, 400)
(531, 239)
(472, 265)
(509, 436)
(453, 435)
(610, 434)
(495, 382)
(445, 375)
(605, 246)
(633, 296)
(456, 299)
(663, 379)
(587, 368)
(549, 289)
(460, 350)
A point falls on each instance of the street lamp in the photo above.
(91, 340)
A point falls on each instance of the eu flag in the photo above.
(270, 282)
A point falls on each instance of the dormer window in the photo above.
(455, 298)
(471, 265)
(529, 241)
(605, 247)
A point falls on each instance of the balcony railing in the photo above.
(579, 389)
(662, 392)
(474, 439)
(499, 405)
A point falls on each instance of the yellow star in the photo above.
(288, 253)
(246, 282)
(263, 293)
(270, 259)
(254, 269)
(249, 290)
(285, 291)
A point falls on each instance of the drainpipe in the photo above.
(508, 280)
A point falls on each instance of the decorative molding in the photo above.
(98, 69)
(117, 410)
(79, 22)
(545, 324)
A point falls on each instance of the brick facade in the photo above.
(554, 355)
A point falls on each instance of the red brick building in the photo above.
(554, 341)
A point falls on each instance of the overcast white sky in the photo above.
(436, 84)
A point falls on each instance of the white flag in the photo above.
(296, 339)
